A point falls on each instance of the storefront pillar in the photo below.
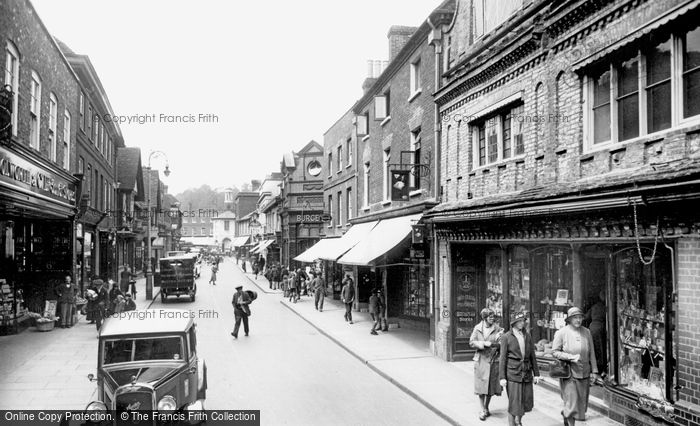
(576, 282)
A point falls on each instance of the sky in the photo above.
(255, 79)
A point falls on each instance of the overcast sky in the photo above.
(276, 73)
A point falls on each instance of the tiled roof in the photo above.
(128, 165)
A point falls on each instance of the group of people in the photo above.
(506, 359)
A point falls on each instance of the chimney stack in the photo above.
(398, 37)
(255, 185)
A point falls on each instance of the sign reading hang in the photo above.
(400, 185)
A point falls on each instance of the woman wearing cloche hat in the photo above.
(574, 343)
(518, 369)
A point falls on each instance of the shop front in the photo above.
(37, 210)
(623, 279)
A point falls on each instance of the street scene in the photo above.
(452, 212)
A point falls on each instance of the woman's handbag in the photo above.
(560, 369)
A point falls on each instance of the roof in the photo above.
(169, 200)
(129, 172)
(227, 214)
(149, 321)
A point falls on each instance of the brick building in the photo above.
(569, 171)
(37, 156)
(129, 218)
(244, 207)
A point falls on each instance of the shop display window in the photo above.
(551, 293)
(642, 297)
(519, 288)
(417, 291)
(494, 281)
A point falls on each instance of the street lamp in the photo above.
(149, 271)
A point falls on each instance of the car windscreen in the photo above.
(142, 349)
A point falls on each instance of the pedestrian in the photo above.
(261, 264)
(241, 311)
(129, 304)
(347, 295)
(595, 318)
(100, 302)
(518, 369)
(276, 276)
(113, 293)
(319, 288)
(302, 280)
(574, 344)
(119, 304)
(293, 289)
(66, 298)
(374, 311)
(255, 268)
(124, 278)
(382, 311)
(212, 278)
(243, 265)
(484, 339)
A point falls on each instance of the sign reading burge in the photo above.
(21, 174)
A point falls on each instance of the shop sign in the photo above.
(304, 218)
(417, 254)
(21, 173)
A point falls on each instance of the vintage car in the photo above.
(147, 360)
(177, 276)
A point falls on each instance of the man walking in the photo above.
(319, 287)
(240, 302)
(214, 270)
(347, 294)
(66, 298)
(374, 311)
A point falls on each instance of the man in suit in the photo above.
(66, 298)
(240, 302)
(347, 295)
(518, 369)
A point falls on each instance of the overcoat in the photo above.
(486, 359)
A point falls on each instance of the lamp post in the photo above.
(149, 270)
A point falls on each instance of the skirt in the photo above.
(520, 397)
(574, 392)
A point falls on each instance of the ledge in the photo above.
(415, 95)
(386, 120)
(386, 202)
(415, 192)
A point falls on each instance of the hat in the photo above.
(573, 312)
(518, 316)
(239, 287)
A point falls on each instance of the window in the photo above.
(34, 110)
(487, 15)
(95, 127)
(499, 136)
(90, 120)
(658, 87)
(386, 187)
(348, 205)
(12, 79)
(691, 73)
(340, 158)
(81, 111)
(414, 177)
(448, 53)
(340, 208)
(204, 232)
(330, 210)
(382, 106)
(53, 119)
(348, 151)
(635, 96)
(226, 225)
(81, 165)
(415, 77)
(362, 124)
(365, 194)
(88, 180)
(66, 140)
(330, 164)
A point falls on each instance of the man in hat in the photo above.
(518, 369)
(347, 295)
(240, 302)
(374, 311)
(574, 343)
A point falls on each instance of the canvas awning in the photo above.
(385, 236)
(317, 250)
(239, 241)
(158, 242)
(355, 234)
(262, 245)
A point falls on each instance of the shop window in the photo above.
(643, 294)
(519, 288)
(417, 291)
(552, 291)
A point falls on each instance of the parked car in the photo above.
(177, 277)
(149, 364)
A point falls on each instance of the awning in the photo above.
(355, 234)
(239, 241)
(158, 242)
(317, 250)
(383, 237)
(262, 246)
(200, 241)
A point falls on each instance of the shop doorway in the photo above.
(594, 281)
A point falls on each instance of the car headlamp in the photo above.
(167, 403)
(96, 406)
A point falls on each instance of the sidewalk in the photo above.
(402, 356)
(48, 370)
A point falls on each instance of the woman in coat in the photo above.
(574, 343)
(518, 369)
(484, 339)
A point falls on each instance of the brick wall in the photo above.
(343, 179)
(20, 25)
(396, 133)
(688, 318)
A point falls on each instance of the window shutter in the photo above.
(380, 107)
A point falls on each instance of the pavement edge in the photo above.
(377, 370)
